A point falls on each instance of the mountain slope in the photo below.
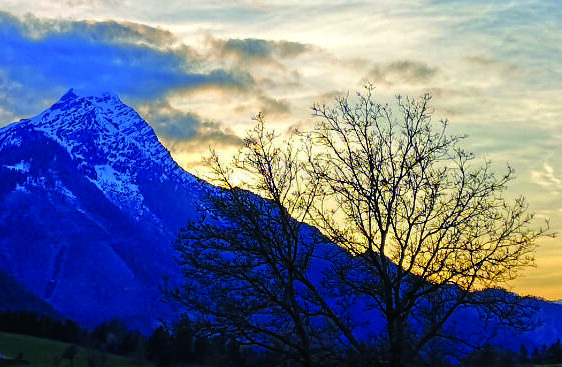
(90, 202)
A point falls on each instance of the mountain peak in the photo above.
(76, 112)
(71, 94)
(92, 96)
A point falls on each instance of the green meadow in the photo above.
(45, 352)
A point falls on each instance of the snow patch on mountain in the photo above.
(119, 188)
(20, 188)
(9, 138)
(21, 166)
(65, 191)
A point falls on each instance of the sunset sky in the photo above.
(198, 70)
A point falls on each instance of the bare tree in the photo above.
(247, 263)
(428, 224)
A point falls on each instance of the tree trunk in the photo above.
(396, 338)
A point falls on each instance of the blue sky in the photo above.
(199, 70)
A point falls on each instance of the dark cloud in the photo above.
(264, 60)
(248, 47)
(273, 106)
(410, 70)
(71, 3)
(47, 57)
(211, 135)
(252, 48)
(486, 62)
(168, 121)
(179, 128)
(269, 106)
(403, 71)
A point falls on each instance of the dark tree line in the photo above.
(181, 343)
(545, 355)
(492, 356)
(29, 323)
(111, 336)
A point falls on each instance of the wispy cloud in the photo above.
(547, 179)
(402, 72)
(178, 126)
(261, 49)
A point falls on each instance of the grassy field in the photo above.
(43, 352)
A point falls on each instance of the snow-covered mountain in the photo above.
(90, 202)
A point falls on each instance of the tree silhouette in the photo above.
(247, 262)
(429, 225)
